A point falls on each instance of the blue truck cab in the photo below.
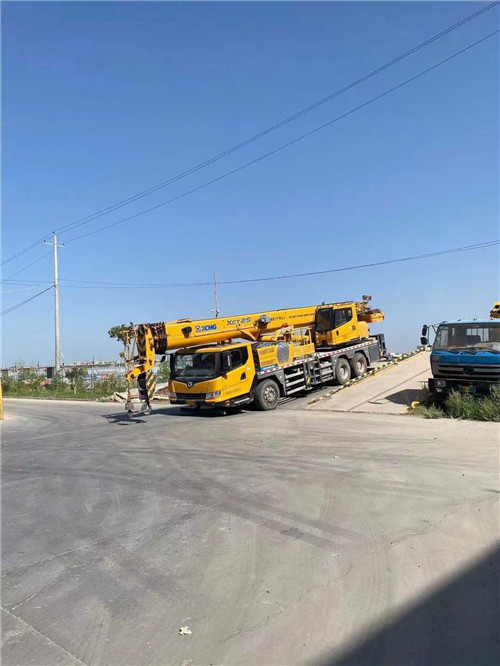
(465, 357)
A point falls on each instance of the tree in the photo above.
(124, 334)
(163, 372)
(28, 376)
(77, 376)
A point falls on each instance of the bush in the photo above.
(429, 411)
(77, 377)
(31, 385)
(464, 406)
(163, 373)
(110, 385)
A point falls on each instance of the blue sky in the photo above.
(102, 100)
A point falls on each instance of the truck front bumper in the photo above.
(445, 386)
(201, 402)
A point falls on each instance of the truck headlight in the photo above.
(172, 395)
(440, 383)
(214, 394)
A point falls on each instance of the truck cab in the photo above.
(212, 375)
(465, 357)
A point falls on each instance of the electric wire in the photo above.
(289, 119)
(18, 305)
(28, 266)
(34, 281)
(285, 145)
(26, 249)
(17, 291)
(255, 137)
(90, 284)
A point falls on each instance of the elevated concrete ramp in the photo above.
(390, 391)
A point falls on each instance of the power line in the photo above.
(288, 144)
(16, 291)
(35, 282)
(18, 305)
(285, 121)
(28, 266)
(26, 249)
(89, 284)
(261, 134)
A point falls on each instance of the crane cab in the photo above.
(338, 325)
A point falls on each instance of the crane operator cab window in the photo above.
(334, 326)
(327, 319)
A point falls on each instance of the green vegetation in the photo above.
(77, 378)
(124, 334)
(163, 372)
(29, 384)
(429, 411)
(463, 406)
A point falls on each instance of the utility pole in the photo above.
(217, 311)
(57, 354)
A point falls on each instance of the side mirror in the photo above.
(424, 341)
(425, 328)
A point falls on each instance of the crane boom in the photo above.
(165, 336)
(160, 337)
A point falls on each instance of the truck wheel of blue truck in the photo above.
(359, 365)
(267, 395)
(343, 371)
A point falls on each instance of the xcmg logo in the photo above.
(207, 327)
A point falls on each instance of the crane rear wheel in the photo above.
(267, 395)
(343, 371)
(359, 364)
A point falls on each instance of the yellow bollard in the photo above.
(1, 402)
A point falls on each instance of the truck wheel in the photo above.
(359, 364)
(342, 371)
(267, 395)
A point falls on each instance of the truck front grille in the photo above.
(191, 396)
(480, 371)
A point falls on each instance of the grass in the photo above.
(463, 406)
(59, 390)
(429, 411)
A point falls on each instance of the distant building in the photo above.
(96, 370)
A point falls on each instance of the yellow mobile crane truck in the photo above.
(257, 358)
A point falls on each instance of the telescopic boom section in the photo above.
(162, 337)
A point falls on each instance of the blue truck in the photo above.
(465, 356)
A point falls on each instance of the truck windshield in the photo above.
(480, 337)
(196, 366)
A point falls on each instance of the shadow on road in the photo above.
(123, 418)
(458, 625)
(405, 397)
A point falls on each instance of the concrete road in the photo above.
(390, 391)
(277, 538)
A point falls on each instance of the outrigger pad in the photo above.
(145, 409)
